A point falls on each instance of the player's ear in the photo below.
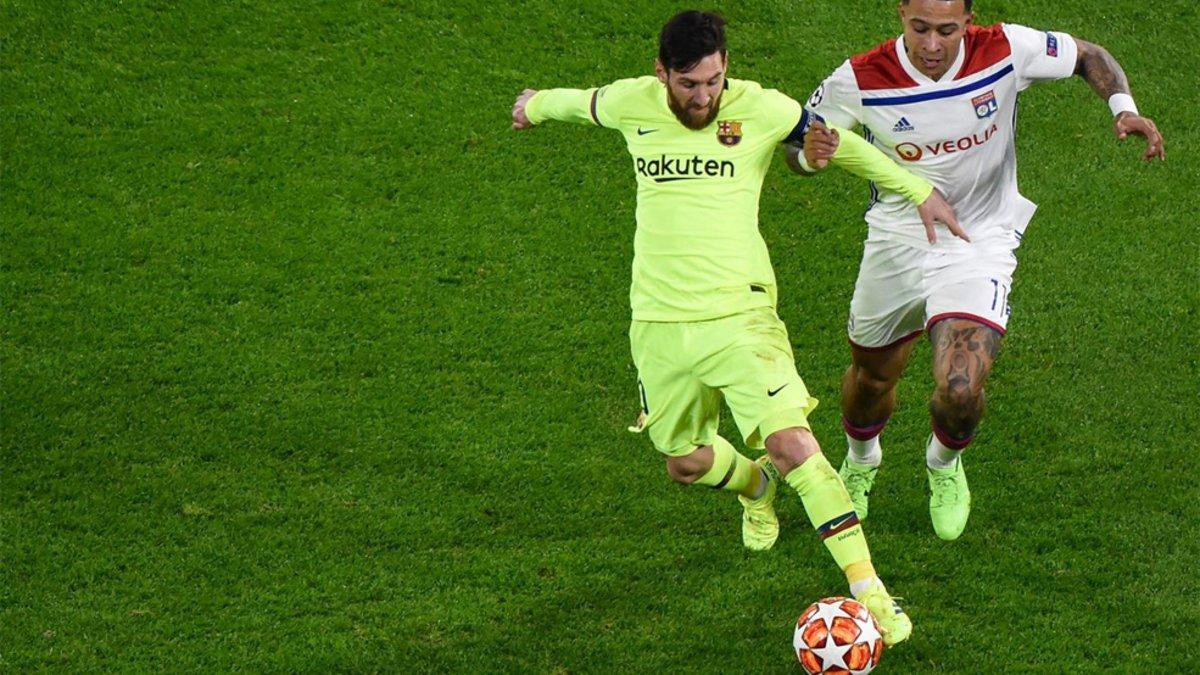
(660, 71)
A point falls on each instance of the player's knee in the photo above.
(687, 469)
(871, 385)
(789, 448)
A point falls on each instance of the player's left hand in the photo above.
(935, 209)
(1129, 123)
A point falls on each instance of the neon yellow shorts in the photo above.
(685, 370)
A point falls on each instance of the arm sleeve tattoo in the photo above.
(1100, 70)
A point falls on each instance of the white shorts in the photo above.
(902, 290)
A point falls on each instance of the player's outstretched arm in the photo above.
(1106, 77)
(856, 155)
(567, 105)
(850, 151)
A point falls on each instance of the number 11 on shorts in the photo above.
(999, 297)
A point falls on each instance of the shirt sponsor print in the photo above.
(911, 152)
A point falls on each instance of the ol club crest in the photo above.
(729, 132)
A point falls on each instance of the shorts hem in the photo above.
(969, 317)
(895, 343)
(778, 421)
(683, 450)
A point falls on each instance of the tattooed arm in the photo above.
(1106, 77)
(1100, 69)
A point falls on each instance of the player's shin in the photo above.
(832, 514)
(828, 506)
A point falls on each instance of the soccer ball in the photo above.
(838, 636)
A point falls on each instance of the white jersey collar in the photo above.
(922, 78)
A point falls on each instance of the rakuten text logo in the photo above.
(665, 169)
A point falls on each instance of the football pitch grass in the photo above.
(309, 363)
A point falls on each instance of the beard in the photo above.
(687, 117)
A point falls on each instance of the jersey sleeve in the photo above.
(611, 101)
(601, 106)
(856, 155)
(1040, 55)
(787, 118)
(564, 105)
(837, 100)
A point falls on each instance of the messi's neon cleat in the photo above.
(893, 622)
(858, 479)
(760, 525)
(949, 501)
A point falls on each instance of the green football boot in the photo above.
(893, 622)
(949, 501)
(858, 479)
(760, 525)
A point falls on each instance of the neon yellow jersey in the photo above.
(697, 252)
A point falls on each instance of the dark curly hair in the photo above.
(689, 37)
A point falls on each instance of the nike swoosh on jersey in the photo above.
(642, 132)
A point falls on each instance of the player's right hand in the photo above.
(935, 209)
(519, 119)
(820, 143)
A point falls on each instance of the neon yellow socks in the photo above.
(828, 506)
(734, 471)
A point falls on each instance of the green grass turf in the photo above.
(310, 363)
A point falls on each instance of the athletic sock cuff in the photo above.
(724, 463)
(863, 433)
(948, 440)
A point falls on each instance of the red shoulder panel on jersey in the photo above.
(986, 46)
(880, 69)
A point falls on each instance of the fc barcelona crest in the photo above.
(729, 133)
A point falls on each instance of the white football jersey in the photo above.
(956, 132)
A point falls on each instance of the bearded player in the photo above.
(703, 295)
(942, 100)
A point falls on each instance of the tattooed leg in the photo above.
(963, 353)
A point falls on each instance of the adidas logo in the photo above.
(902, 125)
